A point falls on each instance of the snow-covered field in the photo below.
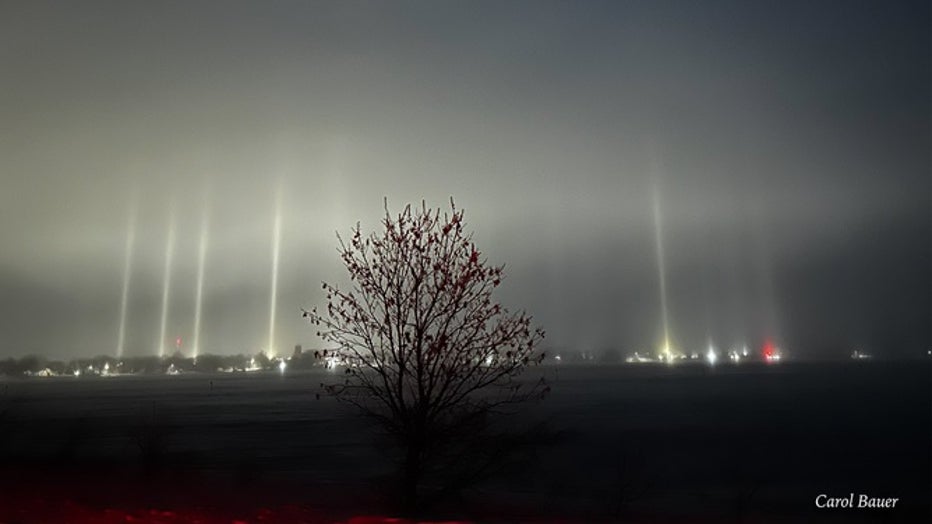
(634, 443)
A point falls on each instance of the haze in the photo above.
(787, 142)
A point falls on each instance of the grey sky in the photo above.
(789, 140)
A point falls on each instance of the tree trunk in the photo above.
(412, 477)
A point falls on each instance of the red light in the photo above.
(768, 350)
(178, 342)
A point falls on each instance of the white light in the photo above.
(276, 248)
(711, 356)
(661, 272)
(199, 289)
(282, 365)
(127, 271)
(167, 278)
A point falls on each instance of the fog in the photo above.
(788, 144)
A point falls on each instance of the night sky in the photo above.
(787, 144)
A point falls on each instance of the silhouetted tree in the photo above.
(427, 351)
(209, 363)
(262, 360)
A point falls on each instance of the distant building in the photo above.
(297, 351)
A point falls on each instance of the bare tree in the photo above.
(427, 351)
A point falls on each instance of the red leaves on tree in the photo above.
(419, 323)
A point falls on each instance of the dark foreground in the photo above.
(619, 444)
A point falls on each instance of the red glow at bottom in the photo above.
(38, 509)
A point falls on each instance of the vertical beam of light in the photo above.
(166, 278)
(705, 276)
(199, 290)
(276, 247)
(763, 272)
(662, 271)
(127, 271)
